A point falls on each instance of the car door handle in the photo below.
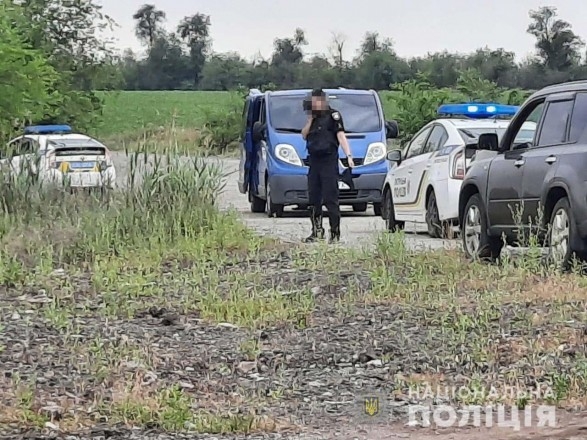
(518, 163)
(550, 159)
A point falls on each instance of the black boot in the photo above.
(334, 236)
(317, 230)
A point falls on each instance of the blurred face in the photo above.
(318, 103)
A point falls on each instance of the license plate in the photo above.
(342, 185)
(81, 165)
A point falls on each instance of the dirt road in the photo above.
(357, 228)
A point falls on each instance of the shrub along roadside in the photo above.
(168, 204)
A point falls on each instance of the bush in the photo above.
(416, 105)
(167, 204)
(221, 129)
(418, 100)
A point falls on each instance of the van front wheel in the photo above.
(273, 209)
(257, 204)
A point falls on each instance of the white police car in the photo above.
(423, 182)
(56, 154)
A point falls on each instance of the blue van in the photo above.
(274, 160)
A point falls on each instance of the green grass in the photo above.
(129, 113)
(89, 282)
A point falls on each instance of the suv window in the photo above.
(524, 136)
(554, 127)
(416, 147)
(436, 140)
(579, 118)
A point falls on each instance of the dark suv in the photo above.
(540, 187)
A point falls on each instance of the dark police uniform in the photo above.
(322, 144)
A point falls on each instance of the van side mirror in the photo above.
(488, 141)
(394, 156)
(391, 130)
(258, 132)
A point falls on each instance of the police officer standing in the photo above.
(324, 133)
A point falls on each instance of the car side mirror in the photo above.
(391, 130)
(488, 141)
(258, 132)
(394, 156)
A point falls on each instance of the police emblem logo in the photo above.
(336, 116)
(371, 406)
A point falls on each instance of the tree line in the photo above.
(184, 60)
(53, 61)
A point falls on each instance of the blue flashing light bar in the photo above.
(478, 110)
(47, 129)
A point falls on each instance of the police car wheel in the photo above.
(390, 224)
(435, 226)
(377, 210)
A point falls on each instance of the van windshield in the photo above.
(359, 112)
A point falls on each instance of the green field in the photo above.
(129, 116)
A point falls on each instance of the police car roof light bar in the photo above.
(47, 129)
(477, 110)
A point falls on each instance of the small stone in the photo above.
(366, 357)
(227, 325)
(316, 290)
(15, 316)
(170, 320)
(186, 385)
(51, 426)
(375, 363)
(246, 367)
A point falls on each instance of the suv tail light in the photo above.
(458, 166)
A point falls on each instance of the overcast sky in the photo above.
(415, 26)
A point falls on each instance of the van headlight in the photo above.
(286, 153)
(375, 153)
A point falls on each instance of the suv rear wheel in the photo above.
(477, 244)
(559, 235)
